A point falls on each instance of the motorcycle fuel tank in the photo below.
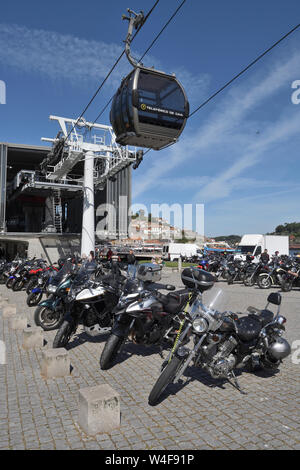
(90, 293)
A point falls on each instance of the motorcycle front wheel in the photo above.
(286, 286)
(110, 351)
(166, 377)
(9, 283)
(264, 281)
(249, 281)
(34, 298)
(31, 285)
(47, 318)
(64, 334)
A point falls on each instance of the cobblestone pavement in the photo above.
(201, 413)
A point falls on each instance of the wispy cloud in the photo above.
(56, 55)
(225, 183)
(78, 60)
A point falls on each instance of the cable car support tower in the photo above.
(103, 158)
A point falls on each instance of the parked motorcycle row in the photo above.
(128, 305)
(283, 273)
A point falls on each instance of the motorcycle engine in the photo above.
(220, 360)
(95, 326)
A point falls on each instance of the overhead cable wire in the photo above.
(146, 52)
(244, 70)
(111, 70)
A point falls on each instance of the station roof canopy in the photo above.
(24, 157)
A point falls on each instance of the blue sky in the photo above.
(239, 155)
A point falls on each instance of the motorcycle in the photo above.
(50, 313)
(12, 273)
(236, 271)
(36, 293)
(143, 314)
(272, 278)
(223, 342)
(291, 278)
(90, 303)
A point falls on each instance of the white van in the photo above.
(173, 251)
(257, 243)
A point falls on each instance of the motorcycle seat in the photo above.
(174, 301)
(248, 328)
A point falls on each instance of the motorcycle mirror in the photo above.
(274, 298)
(170, 287)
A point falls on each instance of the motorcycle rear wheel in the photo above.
(166, 377)
(47, 318)
(110, 351)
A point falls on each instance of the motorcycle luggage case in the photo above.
(149, 272)
(195, 278)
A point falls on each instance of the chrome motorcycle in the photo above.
(143, 314)
(223, 342)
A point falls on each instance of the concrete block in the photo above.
(33, 338)
(9, 311)
(18, 322)
(99, 409)
(55, 363)
(4, 302)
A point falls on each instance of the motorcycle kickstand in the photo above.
(236, 383)
(160, 352)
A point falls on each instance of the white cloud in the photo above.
(224, 124)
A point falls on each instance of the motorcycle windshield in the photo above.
(84, 273)
(62, 274)
(218, 299)
(130, 287)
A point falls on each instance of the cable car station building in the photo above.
(42, 217)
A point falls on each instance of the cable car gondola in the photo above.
(150, 108)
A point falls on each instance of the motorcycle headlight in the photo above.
(200, 325)
(52, 289)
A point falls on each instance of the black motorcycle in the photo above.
(236, 271)
(143, 314)
(89, 302)
(223, 342)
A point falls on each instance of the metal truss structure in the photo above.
(103, 158)
(109, 157)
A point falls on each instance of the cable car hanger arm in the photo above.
(135, 21)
